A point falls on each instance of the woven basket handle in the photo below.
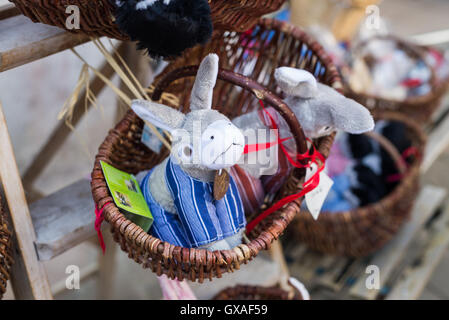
(247, 83)
(390, 149)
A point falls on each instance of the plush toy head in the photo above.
(165, 27)
(319, 108)
(204, 140)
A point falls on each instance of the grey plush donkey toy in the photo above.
(319, 109)
(180, 190)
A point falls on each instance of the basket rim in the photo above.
(6, 258)
(234, 291)
(218, 261)
(438, 86)
(398, 191)
(267, 231)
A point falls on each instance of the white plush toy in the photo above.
(319, 109)
(182, 191)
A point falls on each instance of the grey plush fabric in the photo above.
(158, 114)
(319, 109)
(296, 82)
(201, 97)
(189, 134)
(330, 109)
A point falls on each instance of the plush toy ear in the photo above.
(158, 114)
(203, 89)
(350, 116)
(296, 82)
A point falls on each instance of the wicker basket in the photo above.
(123, 149)
(97, 17)
(5, 251)
(268, 45)
(242, 292)
(419, 108)
(361, 231)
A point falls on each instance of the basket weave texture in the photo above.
(123, 149)
(97, 17)
(242, 292)
(419, 108)
(5, 251)
(361, 231)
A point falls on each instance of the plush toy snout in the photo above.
(222, 145)
(319, 108)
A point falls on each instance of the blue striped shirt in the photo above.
(200, 219)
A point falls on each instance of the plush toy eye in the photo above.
(188, 151)
(212, 137)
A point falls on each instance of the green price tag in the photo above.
(127, 196)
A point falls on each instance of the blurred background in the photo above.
(33, 95)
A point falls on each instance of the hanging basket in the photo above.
(5, 251)
(235, 94)
(242, 292)
(361, 231)
(256, 53)
(97, 17)
(419, 108)
(124, 150)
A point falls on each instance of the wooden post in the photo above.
(139, 65)
(28, 277)
(277, 254)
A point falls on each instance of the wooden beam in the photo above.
(277, 254)
(62, 132)
(8, 11)
(139, 65)
(388, 258)
(22, 41)
(63, 220)
(438, 142)
(416, 276)
(29, 278)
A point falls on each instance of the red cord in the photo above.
(308, 186)
(99, 218)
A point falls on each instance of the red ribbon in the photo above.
(99, 218)
(308, 186)
(249, 148)
(412, 83)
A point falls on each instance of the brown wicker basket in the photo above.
(419, 108)
(268, 45)
(361, 231)
(97, 17)
(5, 251)
(123, 149)
(244, 292)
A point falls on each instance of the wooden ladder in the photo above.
(44, 230)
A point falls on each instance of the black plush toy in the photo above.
(165, 27)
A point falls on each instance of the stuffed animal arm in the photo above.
(179, 191)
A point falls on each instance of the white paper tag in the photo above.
(315, 198)
(151, 140)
